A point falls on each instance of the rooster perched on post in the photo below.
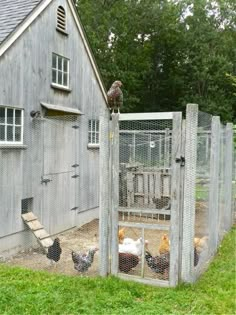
(115, 96)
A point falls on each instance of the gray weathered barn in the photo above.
(51, 97)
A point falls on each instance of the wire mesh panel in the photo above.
(202, 192)
(207, 214)
(145, 192)
(49, 192)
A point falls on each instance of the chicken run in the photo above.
(85, 238)
(157, 221)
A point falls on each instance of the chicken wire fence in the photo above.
(145, 199)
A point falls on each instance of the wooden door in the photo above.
(60, 175)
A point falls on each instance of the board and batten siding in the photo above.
(25, 82)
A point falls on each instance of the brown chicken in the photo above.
(127, 261)
(164, 246)
(200, 244)
(121, 235)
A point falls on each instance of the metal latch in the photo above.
(180, 160)
(45, 180)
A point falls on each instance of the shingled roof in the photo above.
(13, 13)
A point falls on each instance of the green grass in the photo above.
(24, 291)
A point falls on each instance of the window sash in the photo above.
(11, 125)
(60, 70)
(93, 131)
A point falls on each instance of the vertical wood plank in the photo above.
(189, 192)
(175, 199)
(214, 185)
(228, 207)
(181, 206)
(115, 193)
(145, 187)
(130, 189)
(151, 188)
(157, 185)
(104, 194)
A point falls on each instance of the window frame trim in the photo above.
(92, 132)
(56, 84)
(5, 124)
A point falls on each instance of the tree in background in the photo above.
(166, 53)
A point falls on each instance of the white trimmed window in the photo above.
(11, 125)
(60, 71)
(93, 132)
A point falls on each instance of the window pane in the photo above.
(59, 63)
(90, 124)
(9, 116)
(97, 125)
(9, 133)
(54, 61)
(54, 76)
(59, 78)
(97, 137)
(65, 65)
(90, 137)
(65, 79)
(2, 115)
(2, 133)
(18, 117)
(17, 133)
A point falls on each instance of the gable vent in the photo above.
(61, 19)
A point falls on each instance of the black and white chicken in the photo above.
(159, 263)
(115, 96)
(83, 261)
(54, 251)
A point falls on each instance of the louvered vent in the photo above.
(61, 19)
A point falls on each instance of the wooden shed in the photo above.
(51, 98)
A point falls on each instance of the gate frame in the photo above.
(109, 218)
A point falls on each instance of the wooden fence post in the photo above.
(189, 192)
(115, 193)
(228, 207)
(104, 194)
(175, 198)
(213, 214)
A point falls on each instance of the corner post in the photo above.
(189, 193)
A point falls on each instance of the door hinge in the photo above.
(75, 165)
(75, 176)
(45, 180)
(180, 160)
(75, 208)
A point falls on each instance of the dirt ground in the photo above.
(87, 236)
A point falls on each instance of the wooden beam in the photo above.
(189, 192)
(104, 193)
(115, 193)
(228, 189)
(146, 116)
(175, 199)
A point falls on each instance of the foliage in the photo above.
(166, 53)
(25, 292)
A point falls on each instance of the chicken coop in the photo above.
(169, 182)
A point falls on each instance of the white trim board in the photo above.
(146, 116)
(60, 108)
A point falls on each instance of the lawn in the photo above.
(24, 291)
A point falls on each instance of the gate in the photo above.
(146, 159)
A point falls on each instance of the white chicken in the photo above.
(131, 246)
